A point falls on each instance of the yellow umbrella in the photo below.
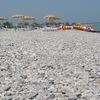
(51, 18)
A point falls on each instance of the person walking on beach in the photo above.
(15, 28)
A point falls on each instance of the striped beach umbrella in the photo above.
(18, 16)
(29, 18)
(51, 18)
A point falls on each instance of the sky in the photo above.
(68, 10)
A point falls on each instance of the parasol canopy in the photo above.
(2, 18)
(51, 18)
(28, 18)
(23, 17)
(18, 16)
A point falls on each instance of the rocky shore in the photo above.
(61, 65)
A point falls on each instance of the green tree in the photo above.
(67, 23)
(8, 24)
(73, 23)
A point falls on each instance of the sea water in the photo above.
(96, 27)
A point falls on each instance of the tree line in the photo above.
(9, 24)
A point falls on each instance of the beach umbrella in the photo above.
(51, 18)
(18, 16)
(2, 18)
(29, 18)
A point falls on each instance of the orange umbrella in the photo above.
(51, 18)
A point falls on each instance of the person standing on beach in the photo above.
(15, 28)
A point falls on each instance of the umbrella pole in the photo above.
(22, 23)
(51, 21)
(1, 24)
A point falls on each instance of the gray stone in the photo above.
(7, 88)
(51, 97)
(49, 65)
(34, 96)
(72, 97)
(24, 76)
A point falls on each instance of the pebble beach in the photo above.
(60, 65)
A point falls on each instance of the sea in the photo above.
(96, 27)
